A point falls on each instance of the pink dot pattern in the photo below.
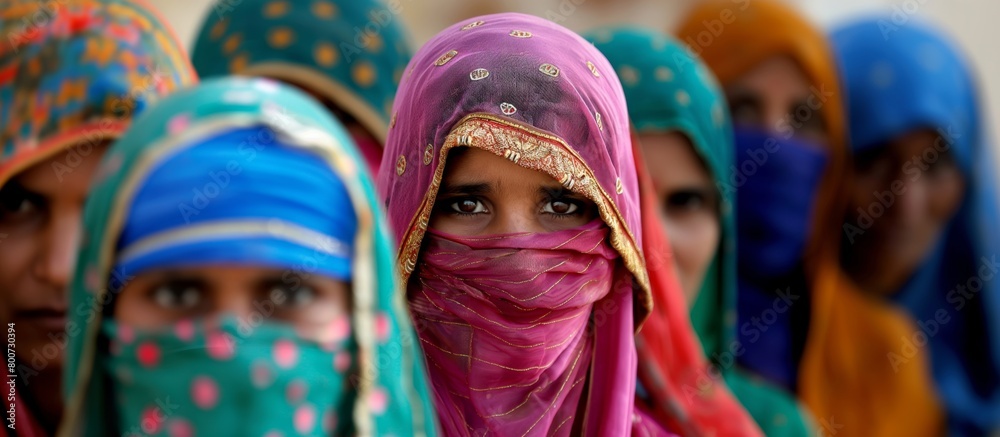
(205, 392)
(286, 355)
(292, 380)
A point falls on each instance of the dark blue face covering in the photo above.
(776, 181)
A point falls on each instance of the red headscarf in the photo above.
(684, 392)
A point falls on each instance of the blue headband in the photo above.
(242, 197)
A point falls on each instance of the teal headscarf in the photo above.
(387, 391)
(668, 89)
(352, 53)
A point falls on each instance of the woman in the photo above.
(801, 322)
(254, 309)
(350, 55)
(923, 204)
(510, 182)
(506, 337)
(72, 76)
(683, 127)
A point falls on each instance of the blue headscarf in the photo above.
(249, 201)
(902, 78)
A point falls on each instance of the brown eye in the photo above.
(560, 207)
(468, 206)
(685, 201)
(16, 203)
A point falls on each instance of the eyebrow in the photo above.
(14, 189)
(178, 278)
(557, 192)
(467, 189)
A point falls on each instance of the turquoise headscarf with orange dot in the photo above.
(668, 89)
(351, 53)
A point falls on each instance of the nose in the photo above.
(516, 220)
(57, 258)
(912, 204)
(237, 302)
(774, 116)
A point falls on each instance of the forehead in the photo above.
(774, 74)
(670, 153)
(476, 166)
(65, 174)
(914, 141)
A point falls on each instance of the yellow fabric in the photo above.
(846, 377)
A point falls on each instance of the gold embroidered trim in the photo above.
(400, 165)
(479, 74)
(549, 70)
(446, 57)
(473, 24)
(593, 69)
(535, 150)
(428, 154)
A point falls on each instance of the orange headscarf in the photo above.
(845, 377)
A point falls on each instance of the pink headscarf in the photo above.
(535, 93)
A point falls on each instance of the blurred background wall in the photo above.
(973, 23)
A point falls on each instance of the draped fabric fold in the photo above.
(520, 319)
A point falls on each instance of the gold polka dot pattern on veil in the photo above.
(363, 73)
(276, 9)
(324, 9)
(280, 37)
(326, 54)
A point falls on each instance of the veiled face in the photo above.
(484, 194)
(776, 96)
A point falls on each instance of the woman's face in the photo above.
(40, 227)
(160, 298)
(484, 194)
(906, 192)
(689, 204)
(776, 96)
